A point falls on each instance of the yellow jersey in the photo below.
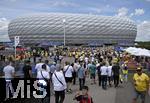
(125, 71)
(141, 81)
(115, 60)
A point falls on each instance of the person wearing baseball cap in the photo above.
(141, 84)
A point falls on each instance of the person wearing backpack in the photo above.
(68, 71)
(59, 84)
(44, 82)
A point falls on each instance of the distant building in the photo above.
(79, 29)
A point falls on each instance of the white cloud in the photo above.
(143, 31)
(95, 10)
(64, 4)
(3, 23)
(132, 14)
(4, 29)
(139, 11)
(122, 12)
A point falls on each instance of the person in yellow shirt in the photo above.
(125, 71)
(141, 84)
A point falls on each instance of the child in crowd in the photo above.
(83, 97)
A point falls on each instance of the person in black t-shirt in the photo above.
(99, 73)
(116, 73)
(27, 70)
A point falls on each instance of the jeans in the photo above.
(109, 80)
(99, 80)
(74, 77)
(81, 83)
(9, 86)
(59, 96)
(116, 80)
(104, 81)
(125, 77)
(140, 94)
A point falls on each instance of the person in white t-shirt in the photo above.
(86, 60)
(92, 59)
(59, 83)
(9, 72)
(68, 70)
(38, 66)
(110, 75)
(104, 75)
(43, 73)
(44, 80)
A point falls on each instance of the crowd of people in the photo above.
(105, 67)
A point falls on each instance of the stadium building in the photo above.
(78, 28)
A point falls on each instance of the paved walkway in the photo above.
(99, 95)
(123, 94)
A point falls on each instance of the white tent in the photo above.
(138, 51)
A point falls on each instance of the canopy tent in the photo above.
(118, 48)
(138, 51)
(47, 44)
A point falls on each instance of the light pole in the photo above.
(64, 26)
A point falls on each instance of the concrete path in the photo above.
(99, 95)
(123, 94)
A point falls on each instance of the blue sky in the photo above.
(137, 10)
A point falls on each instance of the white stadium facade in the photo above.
(78, 28)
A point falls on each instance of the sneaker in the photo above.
(6, 99)
(67, 91)
(70, 91)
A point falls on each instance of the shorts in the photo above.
(141, 94)
(92, 76)
(68, 79)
